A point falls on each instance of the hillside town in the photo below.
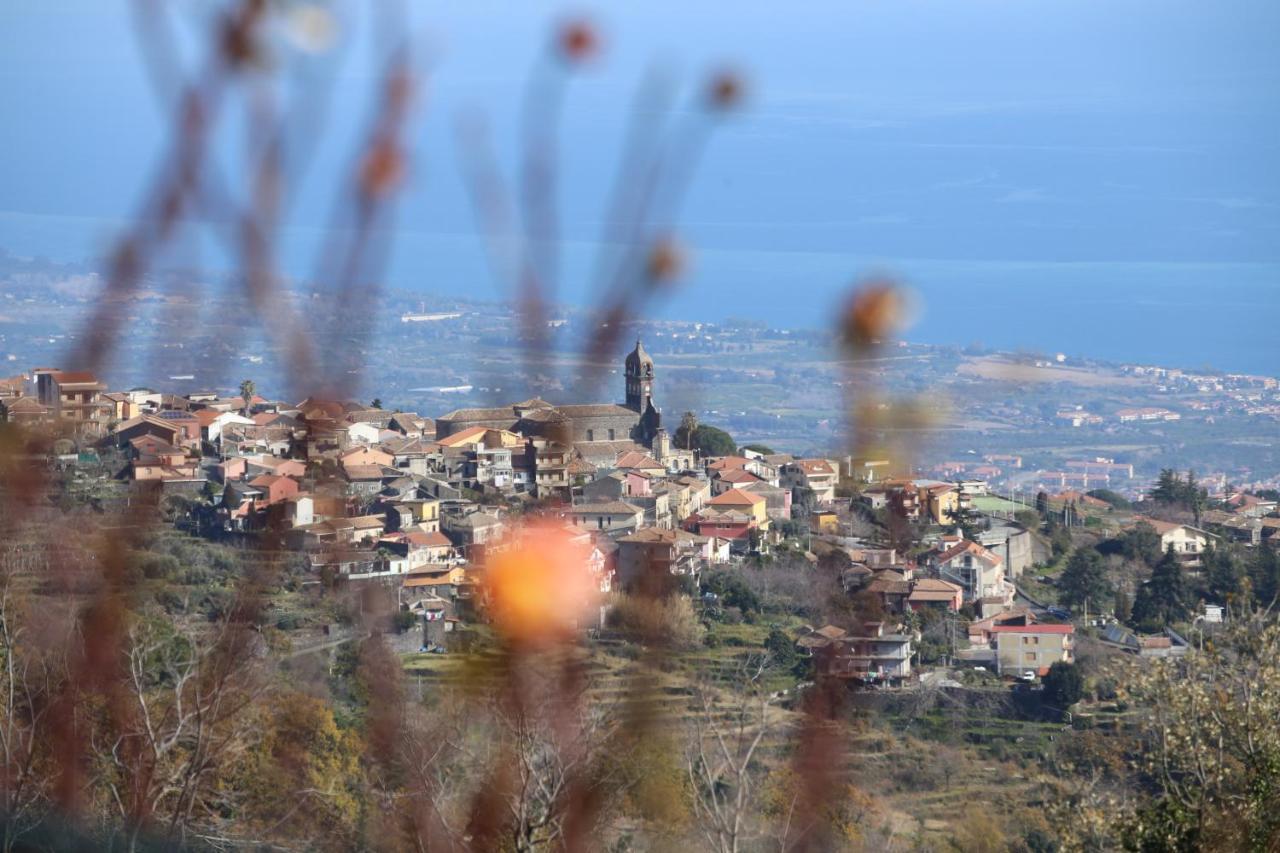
(937, 573)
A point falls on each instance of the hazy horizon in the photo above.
(1096, 178)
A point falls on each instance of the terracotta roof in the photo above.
(635, 459)
(434, 539)
(970, 547)
(739, 475)
(363, 472)
(75, 377)
(657, 535)
(736, 497)
(815, 466)
(470, 435)
(1033, 629)
(26, 405)
(728, 463)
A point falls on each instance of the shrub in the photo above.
(649, 620)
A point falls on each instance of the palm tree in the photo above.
(246, 391)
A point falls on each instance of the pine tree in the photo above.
(1164, 598)
(1225, 575)
(1168, 487)
(1264, 576)
(1084, 580)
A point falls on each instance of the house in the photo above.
(825, 521)
(820, 475)
(412, 425)
(653, 554)
(275, 488)
(734, 478)
(365, 480)
(739, 516)
(23, 410)
(753, 505)
(1013, 544)
(472, 529)
(367, 456)
(435, 546)
(891, 587)
(619, 485)
(641, 462)
(978, 571)
(940, 501)
(73, 395)
(754, 463)
(933, 593)
(872, 655)
(1184, 540)
(1033, 648)
(614, 517)
(147, 425)
(1251, 506)
(980, 629)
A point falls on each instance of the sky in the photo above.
(1098, 177)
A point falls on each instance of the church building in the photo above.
(598, 432)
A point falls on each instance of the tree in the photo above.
(31, 675)
(1028, 518)
(781, 649)
(1059, 538)
(1163, 599)
(712, 441)
(733, 591)
(1042, 504)
(1194, 497)
(1084, 580)
(684, 436)
(247, 389)
(1115, 499)
(1225, 575)
(1063, 685)
(376, 403)
(1140, 542)
(1168, 487)
(188, 697)
(1264, 576)
(719, 758)
(1211, 746)
(759, 448)
(1124, 607)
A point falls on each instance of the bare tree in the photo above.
(187, 696)
(31, 674)
(723, 743)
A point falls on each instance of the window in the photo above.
(611, 435)
(1029, 657)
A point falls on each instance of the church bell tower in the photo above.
(639, 373)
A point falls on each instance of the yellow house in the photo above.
(825, 521)
(940, 501)
(123, 407)
(747, 502)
